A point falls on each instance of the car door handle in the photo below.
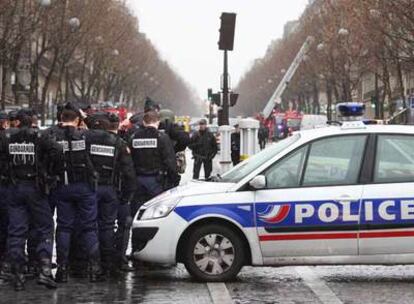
(346, 198)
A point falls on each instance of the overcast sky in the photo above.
(186, 34)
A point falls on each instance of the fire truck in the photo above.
(110, 107)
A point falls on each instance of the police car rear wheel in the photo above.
(214, 253)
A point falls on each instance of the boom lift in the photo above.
(277, 95)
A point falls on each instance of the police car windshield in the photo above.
(248, 166)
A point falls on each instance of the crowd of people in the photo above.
(90, 171)
(93, 172)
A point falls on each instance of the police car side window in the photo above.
(395, 159)
(287, 172)
(334, 161)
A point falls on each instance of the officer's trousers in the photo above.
(4, 221)
(149, 186)
(122, 233)
(76, 204)
(28, 205)
(33, 238)
(107, 213)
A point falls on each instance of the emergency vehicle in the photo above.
(337, 195)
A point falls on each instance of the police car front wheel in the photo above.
(214, 253)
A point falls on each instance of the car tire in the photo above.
(214, 263)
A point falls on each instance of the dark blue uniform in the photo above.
(154, 160)
(112, 161)
(31, 158)
(155, 164)
(4, 218)
(76, 201)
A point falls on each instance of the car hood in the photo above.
(197, 188)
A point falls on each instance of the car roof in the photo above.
(340, 130)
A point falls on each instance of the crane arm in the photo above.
(277, 95)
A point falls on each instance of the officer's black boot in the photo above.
(62, 274)
(124, 265)
(96, 273)
(6, 274)
(45, 275)
(31, 270)
(19, 279)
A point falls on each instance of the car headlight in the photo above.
(159, 209)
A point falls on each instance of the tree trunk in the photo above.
(401, 83)
(45, 88)
(315, 99)
(4, 83)
(329, 97)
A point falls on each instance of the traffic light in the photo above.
(233, 99)
(228, 24)
(216, 99)
(209, 93)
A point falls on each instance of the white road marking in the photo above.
(219, 293)
(319, 288)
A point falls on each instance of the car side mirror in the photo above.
(259, 182)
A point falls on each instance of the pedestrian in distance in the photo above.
(204, 146)
(263, 135)
(235, 145)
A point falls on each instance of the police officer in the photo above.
(136, 120)
(31, 157)
(179, 137)
(76, 198)
(13, 119)
(111, 157)
(4, 219)
(154, 160)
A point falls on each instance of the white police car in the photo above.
(335, 195)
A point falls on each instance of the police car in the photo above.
(343, 194)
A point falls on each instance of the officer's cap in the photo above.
(166, 114)
(113, 118)
(136, 118)
(4, 116)
(12, 115)
(24, 113)
(71, 106)
(202, 122)
(150, 105)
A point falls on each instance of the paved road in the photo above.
(286, 285)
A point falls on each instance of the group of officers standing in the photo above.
(92, 176)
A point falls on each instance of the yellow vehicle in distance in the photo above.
(183, 121)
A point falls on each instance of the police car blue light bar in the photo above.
(350, 111)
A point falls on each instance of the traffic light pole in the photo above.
(225, 105)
